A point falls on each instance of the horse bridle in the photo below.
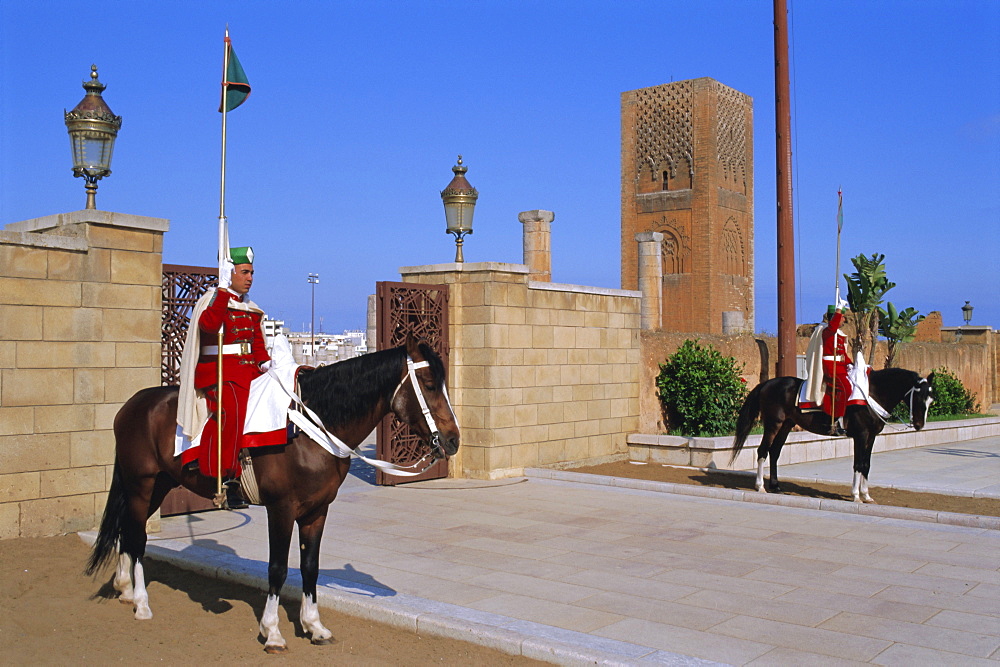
(437, 450)
(911, 393)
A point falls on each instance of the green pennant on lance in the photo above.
(235, 87)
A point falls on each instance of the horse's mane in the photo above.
(892, 384)
(900, 375)
(349, 390)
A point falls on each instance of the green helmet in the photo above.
(241, 255)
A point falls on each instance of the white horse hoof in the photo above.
(761, 489)
(857, 499)
(275, 649)
(143, 614)
(869, 500)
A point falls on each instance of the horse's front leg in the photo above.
(310, 537)
(862, 466)
(279, 530)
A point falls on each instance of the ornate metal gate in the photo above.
(182, 287)
(422, 310)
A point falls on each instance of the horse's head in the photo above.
(422, 400)
(920, 398)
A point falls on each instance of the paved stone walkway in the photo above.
(968, 468)
(576, 572)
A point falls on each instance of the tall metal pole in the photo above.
(313, 279)
(786, 234)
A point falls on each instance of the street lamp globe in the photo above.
(92, 128)
(967, 313)
(459, 205)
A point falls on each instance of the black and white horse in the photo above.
(776, 402)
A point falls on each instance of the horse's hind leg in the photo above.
(310, 536)
(775, 451)
(133, 548)
(770, 445)
(765, 446)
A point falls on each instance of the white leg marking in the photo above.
(141, 599)
(309, 617)
(856, 487)
(864, 490)
(123, 579)
(269, 625)
(759, 484)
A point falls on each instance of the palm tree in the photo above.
(866, 289)
(897, 327)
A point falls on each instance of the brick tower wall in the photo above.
(687, 172)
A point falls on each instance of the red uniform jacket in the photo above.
(835, 361)
(241, 327)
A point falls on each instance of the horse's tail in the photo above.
(110, 531)
(749, 412)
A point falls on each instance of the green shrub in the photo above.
(700, 391)
(950, 395)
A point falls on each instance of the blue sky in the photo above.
(359, 109)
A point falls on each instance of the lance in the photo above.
(836, 273)
(223, 258)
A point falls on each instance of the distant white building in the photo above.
(330, 348)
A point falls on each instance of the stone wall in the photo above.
(541, 373)
(79, 333)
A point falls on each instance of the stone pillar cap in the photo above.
(645, 237)
(538, 215)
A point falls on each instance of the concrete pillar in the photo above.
(538, 244)
(651, 278)
(371, 332)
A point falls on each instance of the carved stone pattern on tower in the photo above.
(731, 132)
(663, 130)
(676, 248)
(733, 251)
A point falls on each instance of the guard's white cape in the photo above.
(812, 389)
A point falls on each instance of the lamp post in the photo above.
(459, 205)
(967, 313)
(92, 128)
(313, 280)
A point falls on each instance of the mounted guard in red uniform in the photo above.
(829, 387)
(244, 358)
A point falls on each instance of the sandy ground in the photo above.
(729, 480)
(53, 614)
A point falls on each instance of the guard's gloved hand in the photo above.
(226, 274)
(266, 366)
(842, 305)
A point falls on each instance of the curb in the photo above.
(419, 615)
(842, 506)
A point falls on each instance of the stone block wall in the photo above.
(79, 334)
(541, 373)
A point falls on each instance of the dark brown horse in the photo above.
(776, 402)
(297, 481)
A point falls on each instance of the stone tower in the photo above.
(687, 173)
